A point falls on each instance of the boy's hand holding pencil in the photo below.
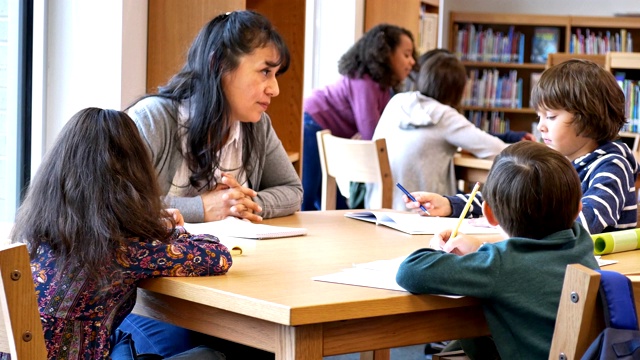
(460, 245)
(450, 242)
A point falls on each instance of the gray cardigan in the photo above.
(276, 181)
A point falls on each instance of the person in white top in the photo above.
(423, 131)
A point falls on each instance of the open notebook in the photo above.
(234, 227)
(414, 224)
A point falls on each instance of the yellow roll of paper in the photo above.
(618, 241)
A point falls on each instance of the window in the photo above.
(15, 85)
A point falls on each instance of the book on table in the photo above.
(415, 224)
(234, 227)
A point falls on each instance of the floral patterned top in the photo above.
(78, 317)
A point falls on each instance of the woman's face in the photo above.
(402, 58)
(250, 87)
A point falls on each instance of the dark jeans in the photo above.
(124, 348)
(157, 337)
(312, 170)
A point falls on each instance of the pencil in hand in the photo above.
(463, 215)
(406, 192)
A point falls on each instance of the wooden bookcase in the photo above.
(173, 24)
(405, 13)
(629, 63)
(522, 117)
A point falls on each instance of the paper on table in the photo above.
(415, 224)
(234, 227)
(380, 274)
(602, 262)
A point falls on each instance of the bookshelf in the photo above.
(626, 67)
(519, 114)
(420, 17)
(173, 25)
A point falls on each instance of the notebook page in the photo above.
(234, 227)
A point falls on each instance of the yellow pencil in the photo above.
(454, 233)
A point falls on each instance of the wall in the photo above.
(550, 7)
(95, 55)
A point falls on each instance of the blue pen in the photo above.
(411, 197)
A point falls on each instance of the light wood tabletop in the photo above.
(269, 301)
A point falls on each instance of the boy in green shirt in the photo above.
(533, 193)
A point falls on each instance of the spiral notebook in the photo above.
(234, 227)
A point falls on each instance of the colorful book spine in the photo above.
(473, 43)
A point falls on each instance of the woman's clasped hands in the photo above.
(230, 198)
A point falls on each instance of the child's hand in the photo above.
(230, 199)
(462, 244)
(177, 216)
(528, 137)
(436, 204)
(459, 245)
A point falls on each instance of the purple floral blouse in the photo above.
(78, 317)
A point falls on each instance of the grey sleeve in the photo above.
(157, 121)
(278, 184)
(191, 208)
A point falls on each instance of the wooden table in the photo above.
(471, 169)
(628, 262)
(268, 300)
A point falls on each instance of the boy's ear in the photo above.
(488, 213)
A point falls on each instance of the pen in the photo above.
(454, 233)
(411, 197)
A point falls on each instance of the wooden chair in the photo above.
(363, 161)
(557, 58)
(576, 324)
(21, 332)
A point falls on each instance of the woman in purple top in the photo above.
(374, 67)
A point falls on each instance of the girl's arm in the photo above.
(185, 255)
(367, 101)
(460, 132)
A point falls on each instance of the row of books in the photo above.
(487, 88)
(600, 43)
(477, 44)
(493, 122)
(631, 89)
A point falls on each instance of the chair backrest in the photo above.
(557, 58)
(21, 332)
(364, 161)
(580, 318)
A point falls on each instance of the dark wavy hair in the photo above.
(371, 55)
(216, 51)
(533, 190)
(587, 91)
(95, 189)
